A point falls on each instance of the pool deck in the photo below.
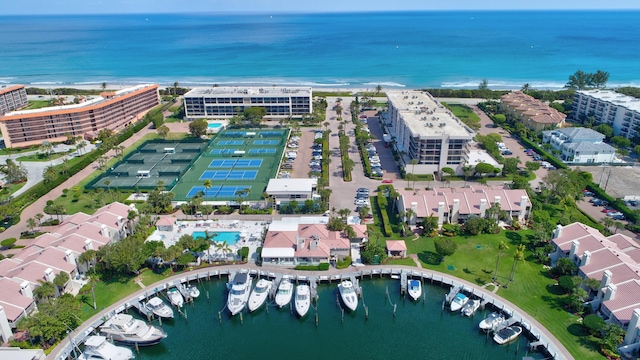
(250, 233)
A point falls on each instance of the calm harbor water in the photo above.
(419, 330)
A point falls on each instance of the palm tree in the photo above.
(103, 86)
(175, 88)
(39, 217)
(526, 87)
(31, 224)
(378, 89)
(61, 280)
(45, 291)
(326, 125)
(410, 213)
(88, 257)
(517, 257)
(608, 222)
(501, 246)
(207, 185)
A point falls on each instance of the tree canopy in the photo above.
(445, 246)
(581, 80)
(198, 128)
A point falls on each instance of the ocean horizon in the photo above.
(439, 49)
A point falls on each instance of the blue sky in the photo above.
(24, 7)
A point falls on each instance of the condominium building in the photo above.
(580, 145)
(619, 111)
(531, 112)
(111, 110)
(425, 130)
(12, 98)
(226, 102)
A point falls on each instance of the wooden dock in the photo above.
(403, 283)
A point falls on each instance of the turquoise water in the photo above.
(230, 237)
(418, 331)
(414, 49)
(214, 125)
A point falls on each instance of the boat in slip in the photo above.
(159, 308)
(239, 290)
(284, 293)
(259, 294)
(125, 329)
(98, 348)
(414, 289)
(348, 294)
(491, 321)
(193, 291)
(303, 299)
(507, 334)
(470, 307)
(175, 297)
(458, 302)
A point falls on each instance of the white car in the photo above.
(361, 202)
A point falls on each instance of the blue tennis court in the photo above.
(230, 142)
(262, 151)
(222, 151)
(266, 142)
(229, 163)
(271, 133)
(217, 191)
(229, 175)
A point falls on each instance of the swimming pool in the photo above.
(230, 237)
(214, 125)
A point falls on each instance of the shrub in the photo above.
(244, 252)
(594, 324)
(345, 263)
(384, 216)
(568, 282)
(8, 243)
(321, 267)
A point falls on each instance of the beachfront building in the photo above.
(455, 205)
(55, 252)
(424, 130)
(114, 110)
(579, 145)
(619, 111)
(226, 102)
(13, 98)
(533, 113)
(307, 241)
(615, 261)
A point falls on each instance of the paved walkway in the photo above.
(38, 206)
(478, 291)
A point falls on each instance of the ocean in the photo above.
(419, 330)
(455, 49)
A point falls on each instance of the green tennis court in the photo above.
(235, 159)
(150, 163)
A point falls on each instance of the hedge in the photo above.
(325, 162)
(320, 267)
(545, 155)
(382, 207)
(42, 188)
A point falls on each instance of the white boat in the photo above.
(348, 294)
(193, 291)
(98, 348)
(490, 321)
(239, 290)
(458, 302)
(259, 294)
(175, 297)
(414, 289)
(284, 293)
(159, 308)
(470, 307)
(303, 299)
(125, 329)
(507, 334)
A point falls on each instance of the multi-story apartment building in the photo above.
(111, 110)
(12, 98)
(579, 145)
(427, 131)
(619, 111)
(531, 112)
(226, 102)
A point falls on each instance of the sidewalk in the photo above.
(38, 206)
(477, 290)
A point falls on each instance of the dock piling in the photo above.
(220, 317)
(137, 348)
(241, 319)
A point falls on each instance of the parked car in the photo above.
(608, 209)
(387, 181)
(586, 192)
(363, 189)
(619, 217)
(614, 214)
(287, 166)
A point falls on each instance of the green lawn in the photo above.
(37, 104)
(41, 157)
(532, 290)
(88, 202)
(10, 151)
(11, 188)
(405, 262)
(110, 291)
(465, 114)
